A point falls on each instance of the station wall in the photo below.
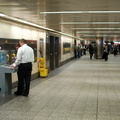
(13, 30)
(18, 31)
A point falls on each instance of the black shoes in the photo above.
(26, 95)
(18, 94)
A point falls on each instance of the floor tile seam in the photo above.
(113, 83)
(109, 99)
(117, 94)
(45, 95)
(56, 105)
(51, 90)
(74, 103)
(60, 89)
(53, 87)
(41, 85)
(98, 100)
(78, 97)
(22, 115)
(6, 115)
(108, 103)
(47, 103)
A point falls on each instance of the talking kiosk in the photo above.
(5, 75)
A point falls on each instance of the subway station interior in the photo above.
(66, 82)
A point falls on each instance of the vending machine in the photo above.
(5, 74)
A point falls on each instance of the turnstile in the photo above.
(6, 79)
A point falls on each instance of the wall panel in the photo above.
(17, 31)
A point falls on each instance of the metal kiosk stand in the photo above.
(5, 79)
(5, 75)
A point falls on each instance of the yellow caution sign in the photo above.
(42, 62)
(43, 70)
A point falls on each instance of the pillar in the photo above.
(99, 47)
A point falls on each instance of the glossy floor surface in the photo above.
(83, 89)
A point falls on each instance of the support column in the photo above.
(99, 47)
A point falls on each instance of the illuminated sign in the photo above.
(66, 47)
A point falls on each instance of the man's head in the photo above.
(22, 42)
(17, 46)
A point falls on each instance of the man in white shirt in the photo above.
(25, 59)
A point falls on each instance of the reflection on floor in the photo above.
(83, 89)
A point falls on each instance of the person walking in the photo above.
(106, 53)
(95, 51)
(24, 59)
(115, 50)
(91, 51)
(75, 51)
(78, 50)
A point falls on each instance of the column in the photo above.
(99, 47)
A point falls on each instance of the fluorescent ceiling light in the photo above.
(69, 12)
(67, 23)
(95, 28)
(2, 15)
(98, 35)
(98, 32)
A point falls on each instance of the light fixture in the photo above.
(77, 12)
(99, 35)
(95, 28)
(98, 32)
(34, 25)
(67, 23)
(2, 15)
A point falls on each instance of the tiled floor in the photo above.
(83, 89)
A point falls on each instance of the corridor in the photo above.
(82, 89)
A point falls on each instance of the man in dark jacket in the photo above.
(91, 50)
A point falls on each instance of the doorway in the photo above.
(54, 52)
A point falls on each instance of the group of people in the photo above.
(105, 51)
(79, 51)
(116, 50)
(24, 61)
(93, 50)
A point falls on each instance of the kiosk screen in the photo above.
(2, 57)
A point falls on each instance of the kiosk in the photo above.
(5, 75)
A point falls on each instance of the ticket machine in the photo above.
(5, 75)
